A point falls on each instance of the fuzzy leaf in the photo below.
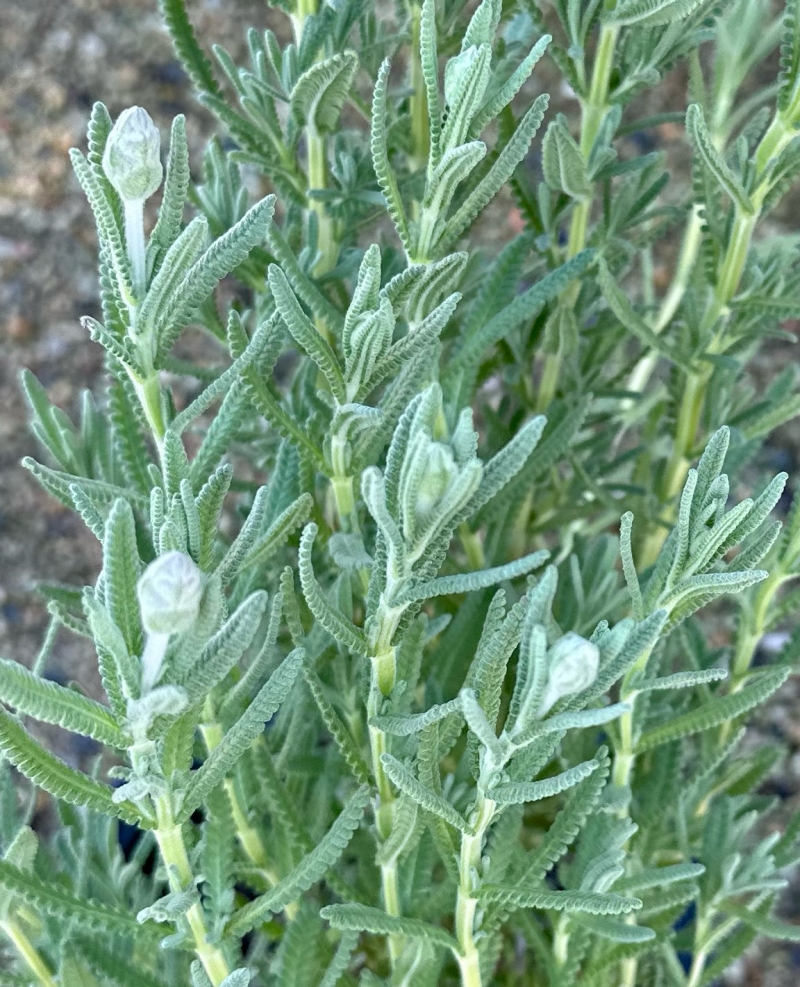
(321, 91)
(467, 582)
(54, 776)
(363, 918)
(335, 726)
(531, 791)
(225, 648)
(405, 726)
(241, 735)
(759, 687)
(50, 898)
(713, 160)
(591, 902)
(311, 868)
(34, 696)
(334, 622)
(380, 155)
(424, 797)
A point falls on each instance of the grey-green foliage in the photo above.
(403, 618)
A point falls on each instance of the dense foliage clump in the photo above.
(437, 703)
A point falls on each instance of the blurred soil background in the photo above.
(56, 59)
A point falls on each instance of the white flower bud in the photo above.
(132, 158)
(170, 590)
(573, 662)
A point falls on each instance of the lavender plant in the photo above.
(437, 703)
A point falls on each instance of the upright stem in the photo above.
(687, 259)
(420, 131)
(248, 836)
(28, 952)
(134, 242)
(317, 181)
(149, 393)
(693, 399)
(384, 670)
(699, 958)
(593, 111)
(173, 852)
(469, 867)
(624, 759)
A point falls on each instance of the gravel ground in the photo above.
(56, 59)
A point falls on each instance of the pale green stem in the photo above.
(317, 181)
(303, 10)
(473, 547)
(344, 498)
(384, 671)
(669, 306)
(561, 940)
(624, 760)
(149, 393)
(28, 952)
(420, 130)
(134, 242)
(248, 836)
(700, 956)
(148, 390)
(693, 398)
(469, 868)
(173, 852)
(593, 112)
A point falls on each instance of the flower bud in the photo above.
(439, 472)
(132, 158)
(170, 590)
(573, 662)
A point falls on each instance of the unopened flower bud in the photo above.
(170, 590)
(573, 663)
(132, 158)
(439, 471)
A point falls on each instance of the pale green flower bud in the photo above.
(170, 590)
(573, 662)
(132, 158)
(440, 471)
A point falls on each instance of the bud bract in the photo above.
(170, 590)
(132, 158)
(573, 662)
(437, 477)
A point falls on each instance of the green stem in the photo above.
(249, 837)
(469, 867)
(624, 761)
(149, 393)
(473, 547)
(28, 952)
(640, 376)
(303, 10)
(384, 670)
(344, 498)
(699, 958)
(693, 399)
(173, 852)
(593, 112)
(134, 243)
(561, 940)
(317, 181)
(420, 130)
